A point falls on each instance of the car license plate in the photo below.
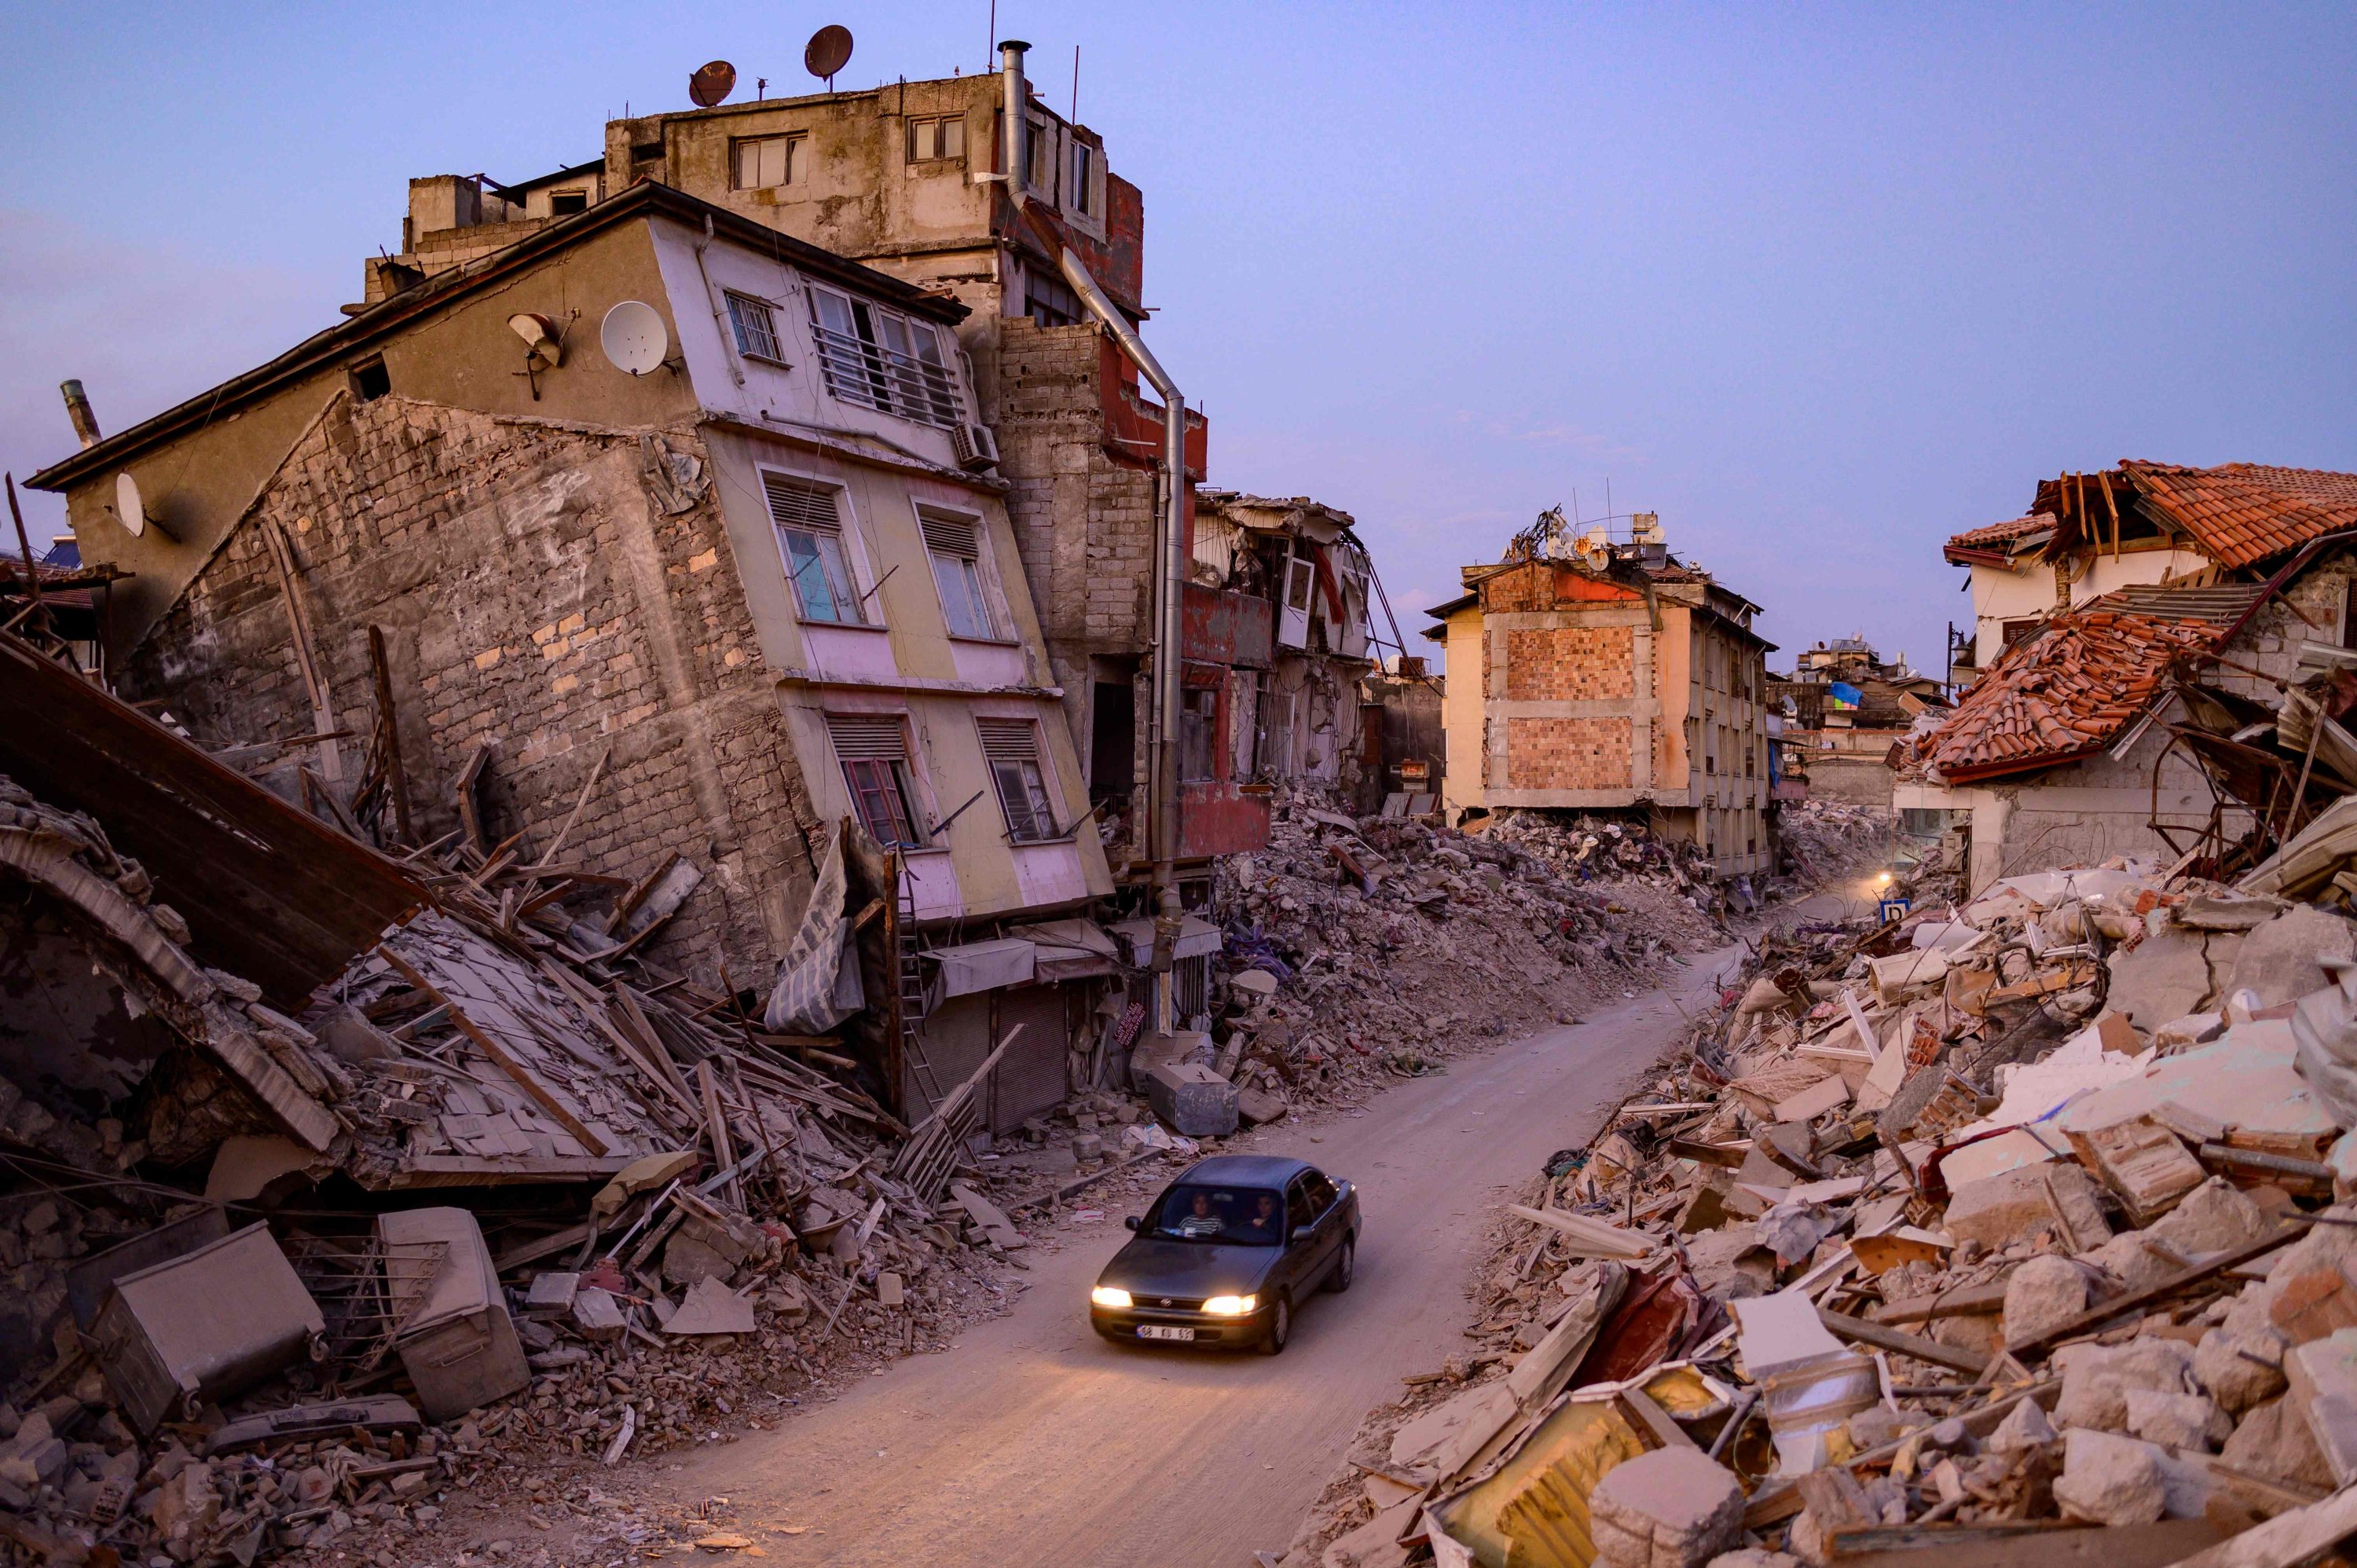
(1158, 1331)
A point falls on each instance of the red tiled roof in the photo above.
(2060, 694)
(2244, 512)
(1999, 533)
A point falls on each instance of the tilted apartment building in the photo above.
(906, 179)
(654, 487)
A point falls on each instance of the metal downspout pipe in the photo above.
(1170, 545)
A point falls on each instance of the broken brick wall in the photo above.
(537, 597)
(1567, 753)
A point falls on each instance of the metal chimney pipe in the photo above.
(85, 422)
(1013, 138)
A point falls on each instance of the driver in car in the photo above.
(1262, 1227)
(1202, 1221)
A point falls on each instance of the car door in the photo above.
(1300, 1256)
(1302, 1202)
(1331, 1222)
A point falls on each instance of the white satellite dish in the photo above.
(128, 509)
(634, 338)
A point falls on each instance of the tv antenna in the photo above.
(828, 51)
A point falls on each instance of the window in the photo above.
(1048, 301)
(565, 203)
(932, 139)
(1199, 720)
(766, 162)
(882, 360)
(810, 535)
(1011, 748)
(756, 329)
(370, 380)
(1084, 178)
(954, 543)
(1040, 164)
(873, 750)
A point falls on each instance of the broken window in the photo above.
(882, 360)
(1039, 170)
(370, 380)
(565, 203)
(1048, 302)
(873, 750)
(1084, 178)
(937, 138)
(1199, 724)
(756, 329)
(763, 163)
(954, 543)
(1011, 748)
(809, 520)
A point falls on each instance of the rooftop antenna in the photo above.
(828, 51)
(712, 84)
(760, 88)
(1076, 84)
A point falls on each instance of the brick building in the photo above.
(906, 179)
(1589, 675)
(745, 567)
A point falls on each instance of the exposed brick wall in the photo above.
(1571, 664)
(1567, 754)
(534, 598)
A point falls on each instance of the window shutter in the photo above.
(1010, 740)
(867, 737)
(797, 503)
(950, 536)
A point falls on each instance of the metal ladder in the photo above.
(911, 980)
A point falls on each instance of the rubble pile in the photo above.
(2034, 1211)
(1821, 842)
(1361, 947)
(222, 1343)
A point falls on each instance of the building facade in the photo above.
(1594, 676)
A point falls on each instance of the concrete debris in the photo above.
(1670, 1509)
(2057, 1155)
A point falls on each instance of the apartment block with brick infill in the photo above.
(1591, 676)
(661, 498)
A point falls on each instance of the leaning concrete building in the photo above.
(613, 509)
(907, 179)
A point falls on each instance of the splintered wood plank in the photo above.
(542, 1095)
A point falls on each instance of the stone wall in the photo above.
(537, 599)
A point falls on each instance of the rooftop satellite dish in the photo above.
(828, 51)
(712, 83)
(634, 338)
(129, 510)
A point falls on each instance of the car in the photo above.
(1228, 1253)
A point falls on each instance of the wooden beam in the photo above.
(2135, 1301)
(1883, 1337)
(396, 776)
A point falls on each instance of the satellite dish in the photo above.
(634, 338)
(129, 510)
(828, 51)
(712, 83)
(539, 337)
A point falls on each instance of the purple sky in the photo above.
(1821, 286)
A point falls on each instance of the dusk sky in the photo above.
(1819, 285)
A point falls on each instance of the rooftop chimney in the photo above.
(1016, 118)
(85, 422)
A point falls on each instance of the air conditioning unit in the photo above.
(976, 448)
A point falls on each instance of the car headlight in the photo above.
(1231, 1306)
(1109, 1296)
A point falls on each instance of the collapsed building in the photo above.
(1589, 674)
(2152, 640)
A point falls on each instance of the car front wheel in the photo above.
(1280, 1327)
(1345, 1265)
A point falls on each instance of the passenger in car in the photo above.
(1202, 1221)
(1263, 1228)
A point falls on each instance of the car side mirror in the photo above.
(1301, 1233)
(1133, 1222)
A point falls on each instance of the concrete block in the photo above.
(2110, 1480)
(2278, 960)
(2043, 1291)
(1673, 1507)
(1998, 1210)
(1195, 1101)
(2322, 1375)
(2097, 1378)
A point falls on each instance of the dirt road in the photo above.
(1033, 1443)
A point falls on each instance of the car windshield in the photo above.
(1237, 1216)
